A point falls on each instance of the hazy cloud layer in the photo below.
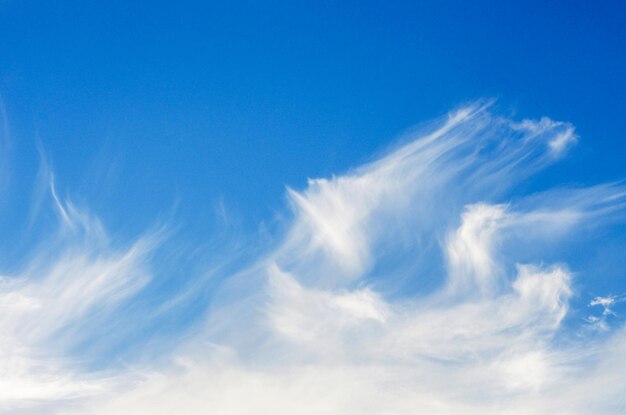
(321, 323)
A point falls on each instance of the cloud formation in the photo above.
(412, 284)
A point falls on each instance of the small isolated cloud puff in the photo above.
(318, 325)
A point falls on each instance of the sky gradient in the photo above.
(312, 208)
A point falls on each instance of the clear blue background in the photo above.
(146, 108)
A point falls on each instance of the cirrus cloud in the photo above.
(401, 286)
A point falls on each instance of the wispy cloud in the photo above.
(320, 322)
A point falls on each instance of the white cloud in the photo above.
(607, 303)
(315, 326)
(52, 303)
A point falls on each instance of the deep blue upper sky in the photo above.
(144, 106)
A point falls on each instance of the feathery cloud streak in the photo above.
(402, 286)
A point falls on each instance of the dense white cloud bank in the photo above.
(400, 287)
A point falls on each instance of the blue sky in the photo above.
(203, 191)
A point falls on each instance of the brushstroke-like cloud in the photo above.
(412, 284)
